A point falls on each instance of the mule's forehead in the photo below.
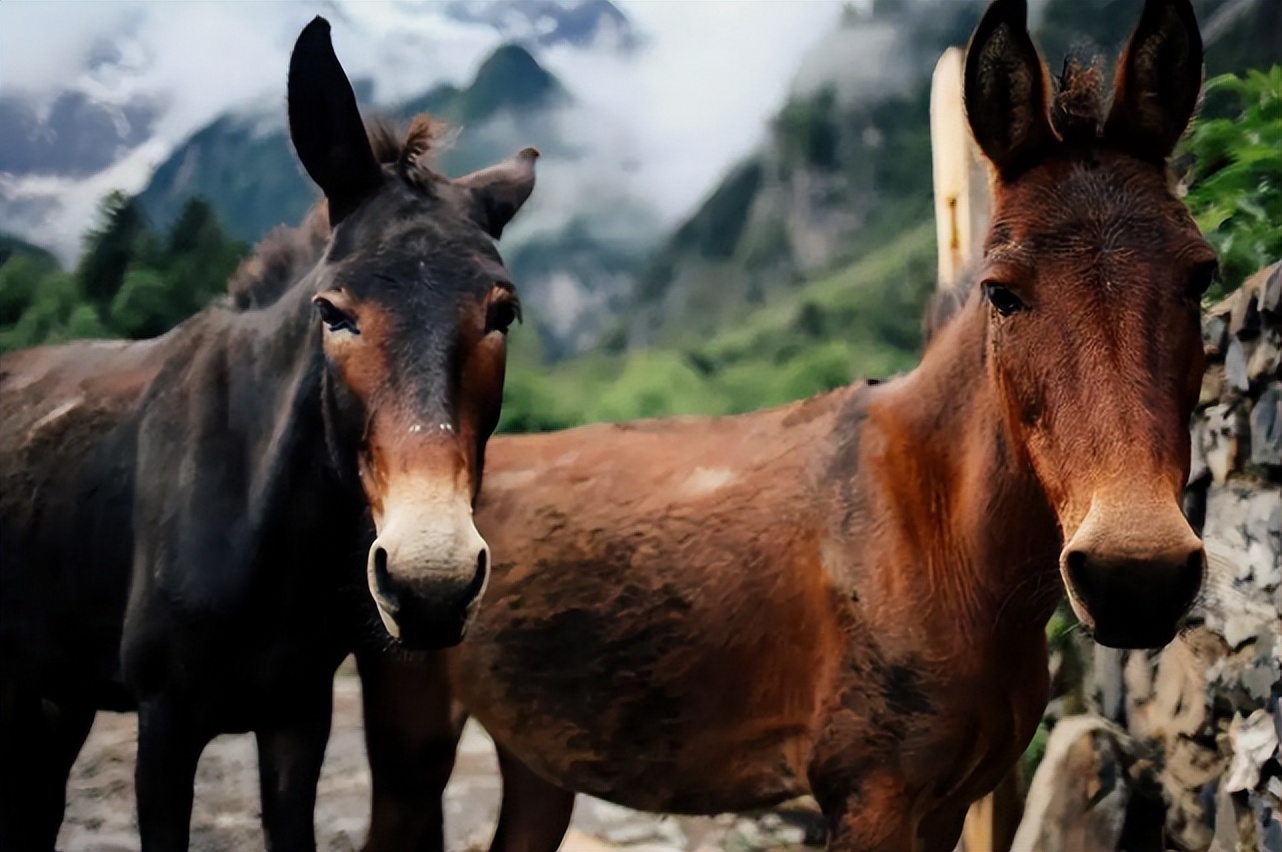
(414, 248)
(1090, 210)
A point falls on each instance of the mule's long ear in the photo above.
(325, 124)
(1005, 89)
(498, 191)
(1158, 80)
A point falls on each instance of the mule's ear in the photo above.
(1158, 80)
(1005, 89)
(498, 191)
(325, 124)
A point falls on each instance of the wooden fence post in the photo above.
(960, 175)
(961, 221)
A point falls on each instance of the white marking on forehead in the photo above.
(704, 480)
(419, 427)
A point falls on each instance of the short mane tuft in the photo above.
(414, 150)
(1077, 112)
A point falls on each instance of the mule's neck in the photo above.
(281, 346)
(985, 538)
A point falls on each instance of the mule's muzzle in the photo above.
(428, 582)
(1135, 600)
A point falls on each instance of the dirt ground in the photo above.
(101, 814)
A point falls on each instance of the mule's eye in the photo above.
(1204, 275)
(1001, 298)
(501, 314)
(336, 319)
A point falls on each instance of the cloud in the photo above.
(664, 122)
(697, 96)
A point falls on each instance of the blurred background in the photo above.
(733, 207)
(733, 210)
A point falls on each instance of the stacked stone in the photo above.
(1181, 749)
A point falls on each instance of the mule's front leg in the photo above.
(411, 733)
(854, 776)
(874, 815)
(170, 741)
(291, 750)
(39, 742)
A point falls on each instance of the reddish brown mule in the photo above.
(847, 596)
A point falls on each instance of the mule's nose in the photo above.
(1136, 600)
(427, 594)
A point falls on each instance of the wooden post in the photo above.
(962, 190)
(960, 175)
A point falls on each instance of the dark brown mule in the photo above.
(185, 523)
(847, 596)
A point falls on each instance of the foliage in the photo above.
(1235, 186)
(129, 283)
(860, 320)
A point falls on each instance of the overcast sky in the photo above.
(692, 102)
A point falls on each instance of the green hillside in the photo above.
(861, 320)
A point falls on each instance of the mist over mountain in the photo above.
(699, 163)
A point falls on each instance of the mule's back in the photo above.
(67, 446)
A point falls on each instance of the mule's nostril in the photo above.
(382, 579)
(478, 579)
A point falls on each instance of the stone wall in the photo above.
(1180, 749)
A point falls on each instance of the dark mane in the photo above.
(286, 253)
(1078, 111)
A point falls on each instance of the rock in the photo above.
(1244, 321)
(1138, 677)
(1199, 442)
(1271, 300)
(1219, 440)
(1268, 831)
(1235, 366)
(1266, 427)
(1110, 688)
(1215, 384)
(1262, 363)
(1245, 525)
(1215, 332)
(1254, 741)
(1078, 797)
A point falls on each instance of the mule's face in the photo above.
(414, 327)
(1093, 278)
(413, 307)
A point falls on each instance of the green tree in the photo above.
(20, 277)
(145, 305)
(200, 257)
(1235, 184)
(119, 240)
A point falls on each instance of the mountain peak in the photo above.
(509, 78)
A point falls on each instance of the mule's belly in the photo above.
(692, 695)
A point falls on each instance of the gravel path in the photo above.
(101, 816)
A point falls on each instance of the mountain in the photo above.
(119, 98)
(244, 164)
(846, 164)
